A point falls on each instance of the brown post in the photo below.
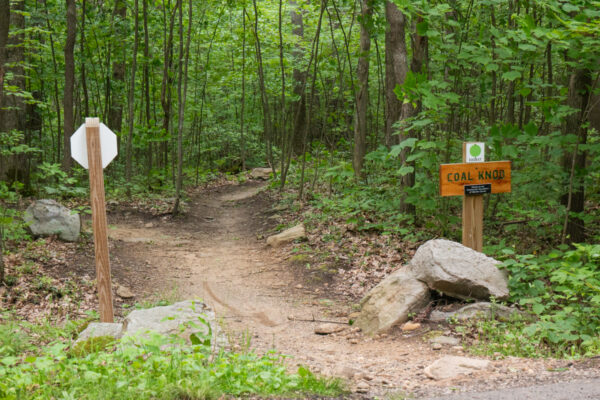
(92, 131)
(472, 217)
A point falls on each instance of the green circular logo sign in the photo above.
(475, 150)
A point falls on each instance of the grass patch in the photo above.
(159, 367)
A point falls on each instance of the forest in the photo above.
(354, 104)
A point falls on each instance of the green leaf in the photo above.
(405, 170)
(511, 75)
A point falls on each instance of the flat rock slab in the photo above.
(97, 329)
(329, 328)
(481, 310)
(182, 319)
(458, 271)
(445, 340)
(287, 236)
(391, 302)
(452, 366)
(48, 217)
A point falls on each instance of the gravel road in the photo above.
(576, 390)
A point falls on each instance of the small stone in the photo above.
(328, 329)
(124, 292)
(436, 346)
(448, 340)
(410, 326)
(362, 387)
(353, 341)
(299, 286)
(149, 225)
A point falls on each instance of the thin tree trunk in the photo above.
(69, 82)
(580, 83)
(147, 82)
(362, 92)
(182, 100)
(165, 93)
(117, 82)
(86, 101)
(310, 103)
(131, 99)
(242, 138)
(396, 68)
(268, 131)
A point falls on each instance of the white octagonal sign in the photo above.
(108, 146)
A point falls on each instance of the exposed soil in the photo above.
(216, 251)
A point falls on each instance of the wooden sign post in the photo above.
(95, 150)
(472, 180)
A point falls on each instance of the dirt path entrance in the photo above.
(216, 252)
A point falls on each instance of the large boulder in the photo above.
(391, 302)
(458, 271)
(47, 217)
(287, 236)
(183, 319)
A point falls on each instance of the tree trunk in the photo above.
(396, 68)
(4, 25)
(130, 99)
(298, 76)
(13, 167)
(181, 97)
(69, 83)
(574, 162)
(362, 91)
(117, 83)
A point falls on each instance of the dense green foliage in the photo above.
(560, 296)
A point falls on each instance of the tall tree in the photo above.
(396, 67)
(574, 162)
(130, 98)
(181, 97)
(298, 77)
(117, 83)
(4, 25)
(13, 166)
(69, 82)
(362, 90)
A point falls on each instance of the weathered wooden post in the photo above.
(472, 179)
(94, 146)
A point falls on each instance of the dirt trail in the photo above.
(216, 252)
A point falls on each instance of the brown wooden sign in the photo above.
(454, 177)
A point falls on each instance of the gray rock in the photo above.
(261, 173)
(481, 310)
(287, 236)
(48, 217)
(97, 329)
(452, 366)
(182, 319)
(448, 340)
(391, 301)
(458, 271)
